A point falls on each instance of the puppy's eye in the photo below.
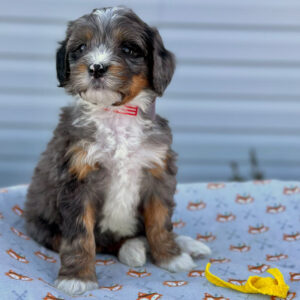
(132, 51)
(126, 50)
(81, 48)
(76, 52)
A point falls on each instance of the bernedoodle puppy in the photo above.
(107, 178)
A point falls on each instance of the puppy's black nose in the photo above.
(97, 70)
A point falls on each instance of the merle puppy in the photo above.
(107, 178)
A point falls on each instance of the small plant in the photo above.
(256, 174)
(236, 173)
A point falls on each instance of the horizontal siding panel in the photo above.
(20, 173)
(241, 116)
(60, 11)
(15, 172)
(268, 154)
(10, 177)
(236, 87)
(233, 12)
(190, 79)
(192, 147)
(195, 46)
(219, 140)
(253, 13)
(205, 46)
(196, 173)
(211, 123)
(23, 144)
(43, 102)
(33, 115)
(187, 173)
(236, 80)
(248, 117)
(169, 104)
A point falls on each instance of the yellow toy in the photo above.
(255, 284)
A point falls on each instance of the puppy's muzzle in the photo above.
(97, 70)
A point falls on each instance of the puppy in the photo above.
(107, 178)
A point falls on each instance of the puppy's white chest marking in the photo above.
(125, 174)
(120, 147)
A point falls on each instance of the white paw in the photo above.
(75, 286)
(193, 247)
(182, 262)
(133, 252)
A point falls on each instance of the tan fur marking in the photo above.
(138, 83)
(156, 213)
(117, 71)
(162, 244)
(81, 68)
(88, 242)
(158, 170)
(88, 35)
(78, 166)
(78, 256)
(89, 219)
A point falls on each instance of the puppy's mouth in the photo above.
(102, 96)
(98, 83)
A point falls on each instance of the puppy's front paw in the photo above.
(182, 262)
(75, 286)
(133, 252)
(193, 247)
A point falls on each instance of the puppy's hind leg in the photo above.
(47, 234)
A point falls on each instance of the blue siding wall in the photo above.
(236, 87)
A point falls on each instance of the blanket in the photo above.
(250, 227)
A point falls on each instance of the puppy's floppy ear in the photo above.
(62, 64)
(163, 64)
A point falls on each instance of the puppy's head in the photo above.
(111, 55)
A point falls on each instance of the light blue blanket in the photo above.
(249, 226)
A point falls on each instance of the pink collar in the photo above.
(132, 110)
